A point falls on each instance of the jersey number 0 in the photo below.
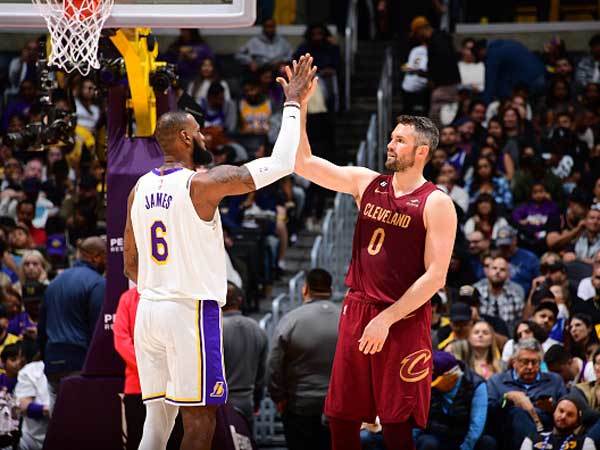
(160, 249)
(376, 241)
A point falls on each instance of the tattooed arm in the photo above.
(130, 254)
(209, 188)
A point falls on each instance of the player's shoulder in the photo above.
(438, 198)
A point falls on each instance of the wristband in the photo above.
(35, 410)
(292, 103)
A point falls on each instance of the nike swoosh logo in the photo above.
(293, 117)
(377, 191)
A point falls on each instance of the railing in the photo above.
(350, 47)
(384, 107)
(332, 249)
(295, 287)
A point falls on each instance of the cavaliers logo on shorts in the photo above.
(414, 367)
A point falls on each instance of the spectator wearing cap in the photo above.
(521, 398)
(469, 295)
(588, 243)
(585, 289)
(442, 64)
(546, 316)
(524, 265)
(458, 410)
(246, 348)
(588, 69)
(6, 338)
(135, 412)
(300, 362)
(554, 274)
(567, 430)
(499, 295)
(531, 218)
(461, 321)
(563, 233)
(71, 307)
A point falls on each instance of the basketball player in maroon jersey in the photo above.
(402, 246)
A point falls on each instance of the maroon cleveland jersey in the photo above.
(389, 241)
(387, 258)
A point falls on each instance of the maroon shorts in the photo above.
(394, 384)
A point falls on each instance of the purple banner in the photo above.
(88, 409)
(128, 159)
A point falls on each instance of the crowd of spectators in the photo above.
(515, 329)
(53, 203)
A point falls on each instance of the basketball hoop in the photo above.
(75, 27)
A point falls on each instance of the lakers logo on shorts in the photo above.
(414, 367)
(218, 389)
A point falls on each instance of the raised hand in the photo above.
(300, 78)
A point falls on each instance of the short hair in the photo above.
(235, 296)
(319, 282)
(557, 355)
(426, 132)
(167, 125)
(528, 344)
(25, 201)
(11, 351)
(215, 88)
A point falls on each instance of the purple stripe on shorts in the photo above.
(216, 385)
(202, 386)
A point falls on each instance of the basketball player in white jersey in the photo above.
(175, 254)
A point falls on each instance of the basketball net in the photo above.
(75, 27)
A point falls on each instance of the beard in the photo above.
(497, 284)
(401, 164)
(201, 156)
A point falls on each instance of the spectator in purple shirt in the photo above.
(18, 320)
(532, 218)
(188, 52)
(21, 104)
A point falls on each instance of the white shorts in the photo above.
(179, 352)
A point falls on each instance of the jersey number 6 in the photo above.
(376, 241)
(160, 250)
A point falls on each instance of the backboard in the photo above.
(147, 13)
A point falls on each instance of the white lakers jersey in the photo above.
(180, 256)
